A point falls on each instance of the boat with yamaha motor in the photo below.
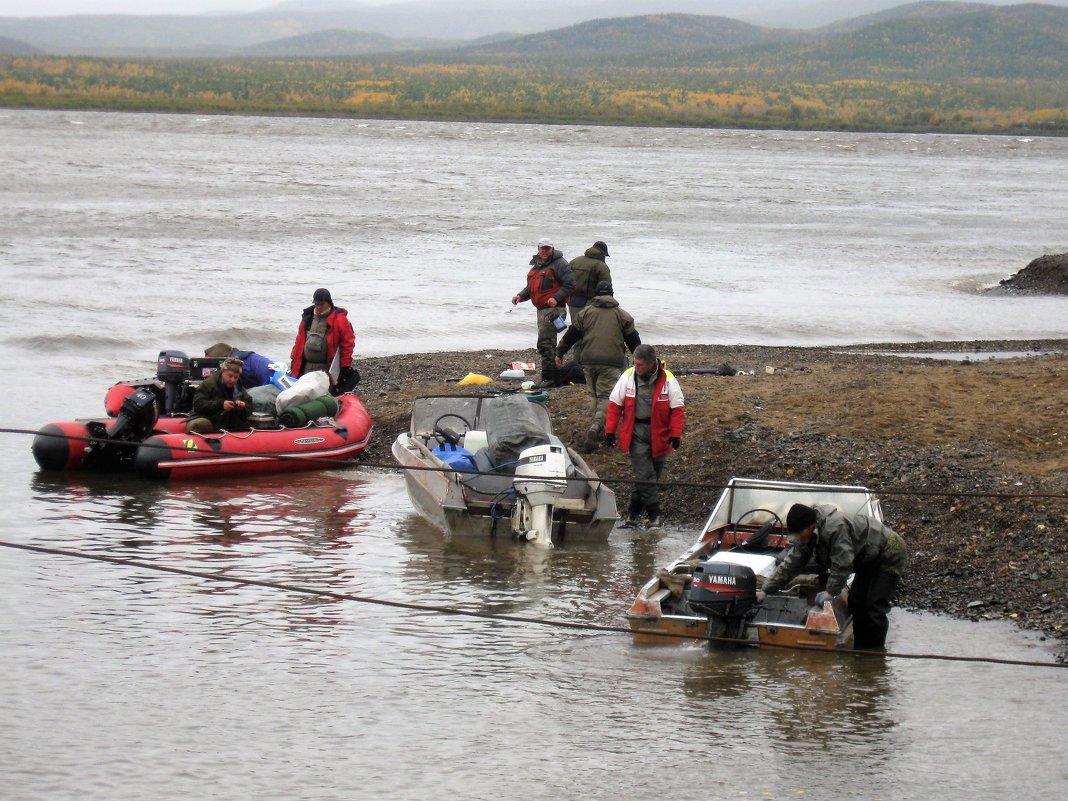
(489, 465)
(144, 431)
(710, 590)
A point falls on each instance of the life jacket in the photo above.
(542, 284)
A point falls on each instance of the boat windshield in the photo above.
(464, 413)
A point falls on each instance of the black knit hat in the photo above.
(799, 518)
(322, 296)
(601, 246)
(603, 288)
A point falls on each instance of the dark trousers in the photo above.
(870, 598)
(547, 336)
(647, 472)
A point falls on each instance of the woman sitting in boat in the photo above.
(221, 402)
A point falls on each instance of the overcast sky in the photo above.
(52, 8)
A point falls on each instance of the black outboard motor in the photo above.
(133, 422)
(726, 593)
(136, 417)
(172, 369)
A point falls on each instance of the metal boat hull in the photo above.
(465, 501)
(660, 614)
(438, 494)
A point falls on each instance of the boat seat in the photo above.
(488, 484)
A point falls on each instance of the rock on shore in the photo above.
(1046, 275)
(968, 455)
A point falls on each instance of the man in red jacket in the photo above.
(549, 285)
(325, 341)
(646, 417)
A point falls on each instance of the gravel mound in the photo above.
(1046, 275)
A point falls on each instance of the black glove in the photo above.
(347, 379)
(675, 442)
(610, 439)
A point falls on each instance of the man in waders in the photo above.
(646, 416)
(843, 544)
(549, 285)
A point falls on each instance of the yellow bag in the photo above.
(474, 378)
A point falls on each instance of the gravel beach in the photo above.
(968, 453)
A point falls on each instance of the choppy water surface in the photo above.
(126, 234)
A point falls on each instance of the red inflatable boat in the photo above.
(137, 436)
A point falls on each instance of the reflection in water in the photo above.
(321, 508)
(574, 581)
(286, 524)
(222, 660)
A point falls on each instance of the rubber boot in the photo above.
(634, 513)
(548, 375)
(653, 511)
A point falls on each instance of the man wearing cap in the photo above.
(220, 402)
(325, 341)
(606, 332)
(843, 544)
(549, 284)
(646, 416)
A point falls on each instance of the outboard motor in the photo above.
(540, 481)
(172, 369)
(726, 593)
(136, 416)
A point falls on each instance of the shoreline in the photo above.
(969, 456)
(487, 120)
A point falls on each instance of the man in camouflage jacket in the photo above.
(842, 545)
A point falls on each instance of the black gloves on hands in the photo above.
(610, 439)
(675, 442)
(347, 379)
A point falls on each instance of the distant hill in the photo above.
(341, 44)
(923, 40)
(1023, 41)
(464, 20)
(929, 9)
(937, 41)
(14, 47)
(631, 38)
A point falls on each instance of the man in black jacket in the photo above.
(221, 402)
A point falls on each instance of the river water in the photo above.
(122, 235)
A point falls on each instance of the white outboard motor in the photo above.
(540, 480)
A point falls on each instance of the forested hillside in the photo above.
(997, 69)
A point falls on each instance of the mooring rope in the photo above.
(506, 618)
